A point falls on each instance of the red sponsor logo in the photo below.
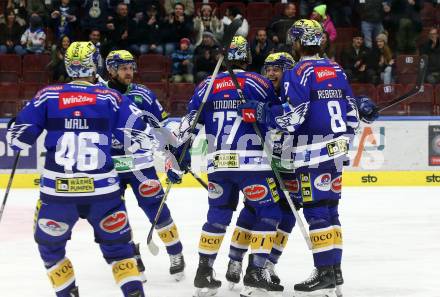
(225, 84)
(149, 188)
(49, 88)
(324, 73)
(292, 185)
(114, 222)
(337, 184)
(72, 99)
(77, 113)
(108, 91)
(255, 192)
(248, 115)
(435, 160)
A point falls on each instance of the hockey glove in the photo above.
(368, 111)
(253, 111)
(186, 161)
(172, 168)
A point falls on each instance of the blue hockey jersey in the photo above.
(153, 114)
(319, 113)
(80, 119)
(232, 144)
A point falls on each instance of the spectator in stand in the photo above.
(261, 47)
(319, 14)
(371, 13)
(150, 31)
(34, 38)
(232, 13)
(182, 62)
(327, 48)
(205, 57)
(57, 62)
(341, 12)
(306, 7)
(94, 14)
(63, 19)
(207, 21)
(19, 8)
(381, 60)
(122, 31)
(280, 25)
(10, 34)
(432, 49)
(95, 38)
(177, 26)
(407, 23)
(354, 60)
(169, 6)
(39, 7)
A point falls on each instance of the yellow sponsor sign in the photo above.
(281, 239)
(61, 274)
(262, 241)
(210, 243)
(241, 237)
(75, 185)
(349, 179)
(322, 239)
(168, 235)
(338, 235)
(125, 269)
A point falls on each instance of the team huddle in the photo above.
(280, 138)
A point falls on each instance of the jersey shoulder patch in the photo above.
(258, 78)
(52, 88)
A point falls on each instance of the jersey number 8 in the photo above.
(337, 122)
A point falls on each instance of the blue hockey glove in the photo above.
(368, 111)
(253, 111)
(172, 168)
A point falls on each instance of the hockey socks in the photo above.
(127, 276)
(211, 240)
(62, 277)
(169, 235)
(240, 241)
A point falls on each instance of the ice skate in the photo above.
(234, 273)
(205, 283)
(321, 283)
(140, 264)
(177, 266)
(74, 292)
(339, 280)
(273, 275)
(257, 283)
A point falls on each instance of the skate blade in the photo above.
(178, 276)
(231, 286)
(317, 293)
(143, 278)
(257, 292)
(339, 291)
(204, 292)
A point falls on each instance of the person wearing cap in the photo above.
(183, 62)
(354, 60)
(320, 15)
(205, 57)
(206, 21)
(381, 60)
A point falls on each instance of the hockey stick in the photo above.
(423, 65)
(268, 153)
(8, 187)
(199, 179)
(227, 39)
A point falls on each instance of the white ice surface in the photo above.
(391, 237)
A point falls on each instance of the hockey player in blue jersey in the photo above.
(320, 114)
(274, 66)
(236, 162)
(79, 180)
(137, 170)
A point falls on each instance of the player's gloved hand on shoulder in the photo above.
(253, 111)
(368, 111)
